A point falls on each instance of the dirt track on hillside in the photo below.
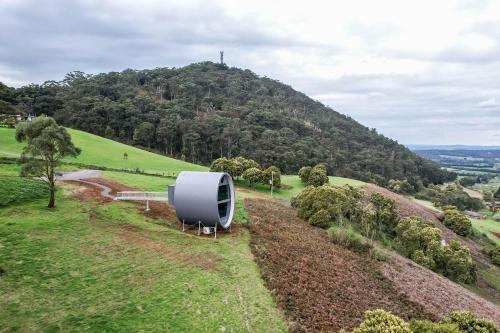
(321, 286)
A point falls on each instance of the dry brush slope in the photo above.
(435, 293)
(407, 207)
(320, 285)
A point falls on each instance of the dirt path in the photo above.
(79, 175)
(86, 177)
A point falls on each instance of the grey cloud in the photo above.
(43, 42)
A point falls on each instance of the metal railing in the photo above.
(142, 196)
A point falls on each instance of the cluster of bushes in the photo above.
(380, 321)
(457, 222)
(452, 194)
(404, 186)
(353, 221)
(326, 205)
(494, 253)
(471, 180)
(421, 241)
(248, 169)
(356, 220)
(314, 176)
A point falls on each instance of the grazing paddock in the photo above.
(97, 266)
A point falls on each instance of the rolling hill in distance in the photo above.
(416, 147)
(205, 110)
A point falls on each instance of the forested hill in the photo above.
(206, 110)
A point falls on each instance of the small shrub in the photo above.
(429, 194)
(468, 323)
(252, 175)
(416, 234)
(350, 239)
(321, 219)
(377, 255)
(334, 199)
(457, 222)
(304, 173)
(267, 175)
(424, 260)
(317, 176)
(401, 186)
(496, 217)
(380, 321)
(233, 166)
(420, 241)
(386, 216)
(454, 194)
(495, 255)
(456, 263)
(426, 326)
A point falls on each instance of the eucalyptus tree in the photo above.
(47, 144)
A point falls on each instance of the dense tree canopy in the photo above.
(205, 111)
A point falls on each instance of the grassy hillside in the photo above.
(108, 268)
(99, 151)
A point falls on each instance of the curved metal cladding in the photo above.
(204, 196)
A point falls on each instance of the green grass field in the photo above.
(107, 268)
(11, 169)
(296, 185)
(21, 190)
(99, 151)
(488, 226)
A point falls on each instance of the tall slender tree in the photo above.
(47, 144)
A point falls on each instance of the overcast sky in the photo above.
(425, 72)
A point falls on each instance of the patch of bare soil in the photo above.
(496, 234)
(321, 286)
(407, 207)
(435, 293)
(86, 192)
(114, 186)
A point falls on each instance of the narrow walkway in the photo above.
(106, 191)
(82, 175)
